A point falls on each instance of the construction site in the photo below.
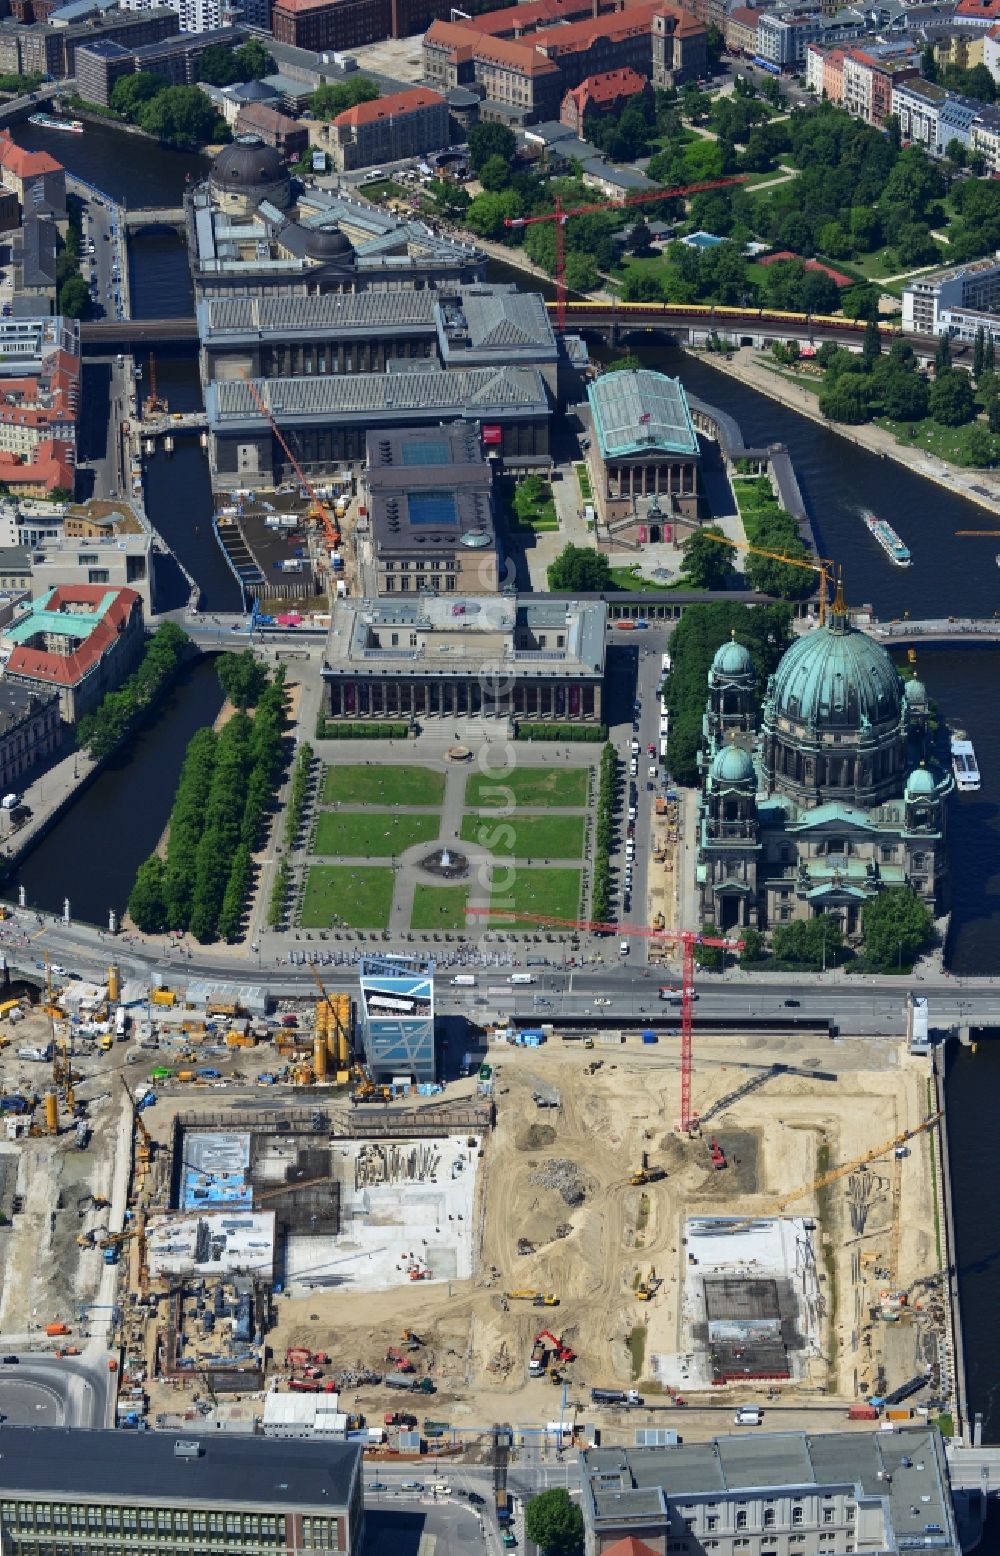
(550, 1221)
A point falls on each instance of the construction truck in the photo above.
(646, 1174)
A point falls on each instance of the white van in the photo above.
(520, 978)
(464, 980)
(623, 948)
(748, 1415)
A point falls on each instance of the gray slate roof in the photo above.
(347, 310)
(505, 318)
(472, 391)
(230, 1470)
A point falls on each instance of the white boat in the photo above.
(887, 538)
(47, 122)
(963, 763)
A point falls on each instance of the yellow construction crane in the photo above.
(826, 1178)
(822, 565)
(144, 1150)
(117, 1238)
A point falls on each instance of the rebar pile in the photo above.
(387, 1164)
(863, 1191)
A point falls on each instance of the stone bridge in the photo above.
(944, 629)
(21, 108)
(153, 216)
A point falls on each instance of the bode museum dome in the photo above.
(820, 794)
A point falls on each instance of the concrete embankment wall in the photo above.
(775, 459)
(954, 1346)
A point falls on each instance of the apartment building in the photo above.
(35, 177)
(405, 124)
(977, 13)
(50, 50)
(869, 75)
(741, 30)
(39, 402)
(121, 1491)
(30, 729)
(991, 52)
(932, 117)
(330, 24)
(930, 301)
(782, 39)
(775, 1494)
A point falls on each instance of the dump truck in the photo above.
(57, 1329)
(615, 1397)
(406, 1380)
(538, 1359)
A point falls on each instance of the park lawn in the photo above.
(631, 581)
(930, 437)
(555, 893)
(380, 785)
(337, 895)
(439, 907)
(526, 837)
(641, 265)
(383, 189)
(371, 834)
(530, 787)
(583, 482)
(811, 381)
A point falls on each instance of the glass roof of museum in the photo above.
(636, 411)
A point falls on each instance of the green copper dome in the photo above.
(733, 765)
(837, 678)
(915, 691)
(920, 782)
(732, 659)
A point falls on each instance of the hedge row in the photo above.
(334, 730)
(600, 905)
(279, 895)
(569, 732)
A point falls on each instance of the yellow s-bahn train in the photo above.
(715, 311)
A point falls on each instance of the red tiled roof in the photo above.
(608, 87)
(534, 13)
(49, 466)
(70, 669)
(745, 16)
(837, 276)
(978, 8)
(23, 163)
(630, 1546)
(576, 36)
(391, 107)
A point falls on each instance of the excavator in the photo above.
(648, 1286)
(538, 1298)
(145, 1143)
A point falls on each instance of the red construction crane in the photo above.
(561, 216)
(687, 939)
(318, 510)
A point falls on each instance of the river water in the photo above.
(950, 576)
(92, 854)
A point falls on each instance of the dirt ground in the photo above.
(592, 1252)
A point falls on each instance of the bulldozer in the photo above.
(646, 1174)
